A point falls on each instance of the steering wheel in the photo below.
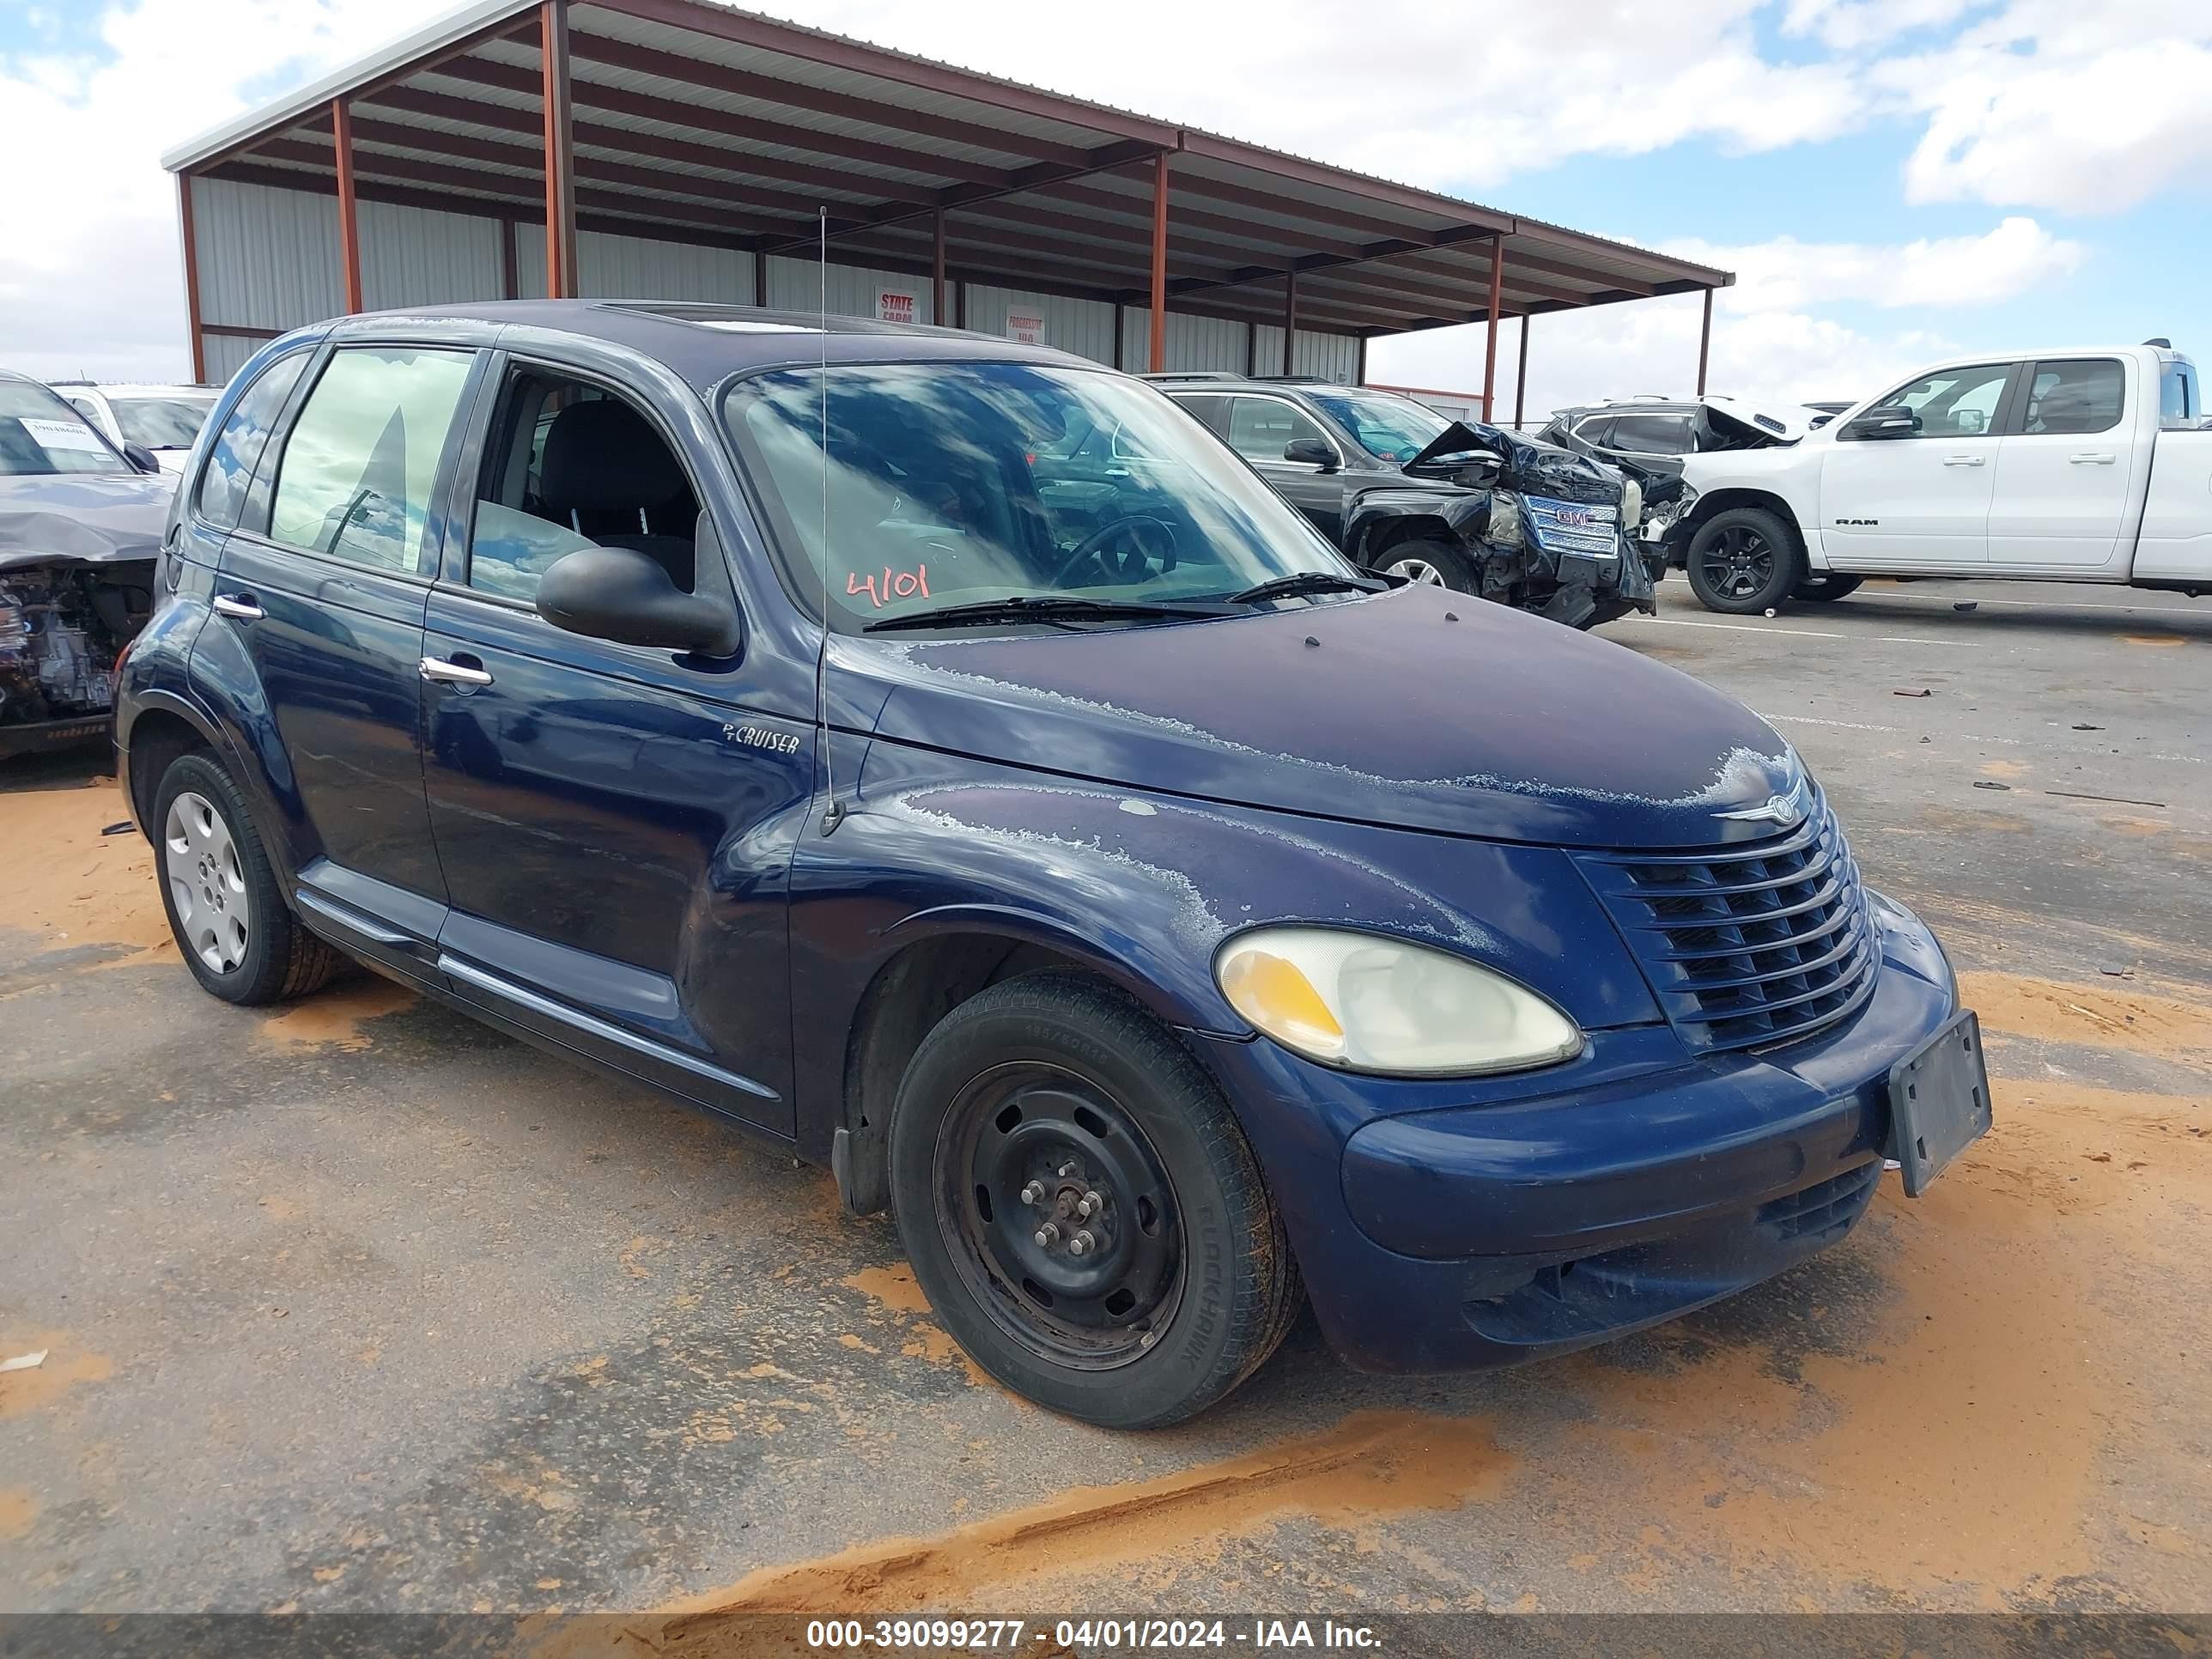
(1134, 563)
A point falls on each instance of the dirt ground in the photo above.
(355, 1305)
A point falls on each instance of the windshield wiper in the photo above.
(1304, 581)
(1039, 607)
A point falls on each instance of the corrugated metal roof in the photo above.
(728, 127)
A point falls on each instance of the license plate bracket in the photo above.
(1939, 1102)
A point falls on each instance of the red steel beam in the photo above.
(1159, 353)
(1489, 322)
(192, 321)
(1289, 314)
(560, 151)
(349, 217)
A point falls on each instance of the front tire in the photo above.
(1828, 585)
(1432, 563)
(1081, 1207)
(1744, 561)
(229, 916)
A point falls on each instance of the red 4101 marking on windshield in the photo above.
(903, 585)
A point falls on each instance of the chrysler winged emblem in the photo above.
(1782, 809)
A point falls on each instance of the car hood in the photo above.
(1525, 466)
(1418, 708)
(86, 518)
(1752, 426)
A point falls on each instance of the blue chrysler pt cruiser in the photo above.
(946, 760)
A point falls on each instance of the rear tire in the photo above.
(1744, 561)
(1436, 564)
(227, 915)
(1828, 585)
(1031, 1098)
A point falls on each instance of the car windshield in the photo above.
(39, 432)
(949, 483)
(1388, 427)
(169, 421)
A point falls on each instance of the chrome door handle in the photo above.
(2093, 458)
(1963, 461)
(240, 605)
(437, 669)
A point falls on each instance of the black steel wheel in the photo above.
(1058, 1163)
(1744, 561)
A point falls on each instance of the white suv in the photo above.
(164, 419)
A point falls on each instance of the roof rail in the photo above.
(1196, 375)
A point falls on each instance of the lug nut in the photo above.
(1082, 1243)
(1048, 1235)
(1090, 1206)
(1033, 1192)
(1068, 1167)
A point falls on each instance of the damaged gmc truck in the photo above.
(80, 530)
(1404, 491)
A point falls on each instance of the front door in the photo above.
(614, 823)
(2064, 468)
(1921, 500)
(1261, 428)
(325, 600)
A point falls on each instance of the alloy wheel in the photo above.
(1416, 570)
(1737, 563)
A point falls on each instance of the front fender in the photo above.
(1460, 513)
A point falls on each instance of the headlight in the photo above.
(1366, 1003)
(1632, 504)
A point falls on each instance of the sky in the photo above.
(1891, 180)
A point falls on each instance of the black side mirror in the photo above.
(1889, 421)
(1311, 451)
(142, 457)
(618, 594)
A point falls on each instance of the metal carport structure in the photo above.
(679, 149)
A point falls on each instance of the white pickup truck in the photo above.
(2088, 465)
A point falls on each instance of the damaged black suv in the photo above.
(1405, 491)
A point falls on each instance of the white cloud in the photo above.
(2052, 104)
(1954, 271)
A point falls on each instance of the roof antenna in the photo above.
(834, 813)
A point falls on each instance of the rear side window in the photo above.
(2075, 398)
(359, 468)
(1209, 407)
(1652, 435)
(237, 448)
(2178, 405)
(1596, 432)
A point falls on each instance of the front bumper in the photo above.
(1629, 1185)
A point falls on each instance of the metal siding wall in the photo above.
(412, 256)
(796, 285)
(1085, 327)
(268, 258)
(1192, 343)
(638, 268)
(1331, 357)
(226, 355)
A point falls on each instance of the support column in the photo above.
(191, 278)
(1704, 341)
(1290, 315)
(1359, 374)
(1490, 323)
(348, 215)
(560, 153)
(1251, 350)
(1159, 355)
(937, 272)
(760, 277)
(1520, 377)
(1119, 308)
(510, 281)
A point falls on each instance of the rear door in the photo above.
(320, 605)
(1921, 500)
(615, 822)
(1261, 427)
(2065, 466)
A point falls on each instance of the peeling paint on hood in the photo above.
(1419, 708)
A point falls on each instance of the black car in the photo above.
(1646, 438)
(1405, 491)
(80, 528)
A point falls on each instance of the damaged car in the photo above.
(81, 525)
(786, 715)
(1403, 491)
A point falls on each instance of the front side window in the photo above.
(2075, 398)
(357, 472)
(40, 433)
(1390, 427)
(948, 482)
(237, 448)
(1260, 428)
(571, 466)
(169, 421)
(1652, 435)
(1953, 403)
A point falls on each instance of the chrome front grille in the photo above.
(1748, 945)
